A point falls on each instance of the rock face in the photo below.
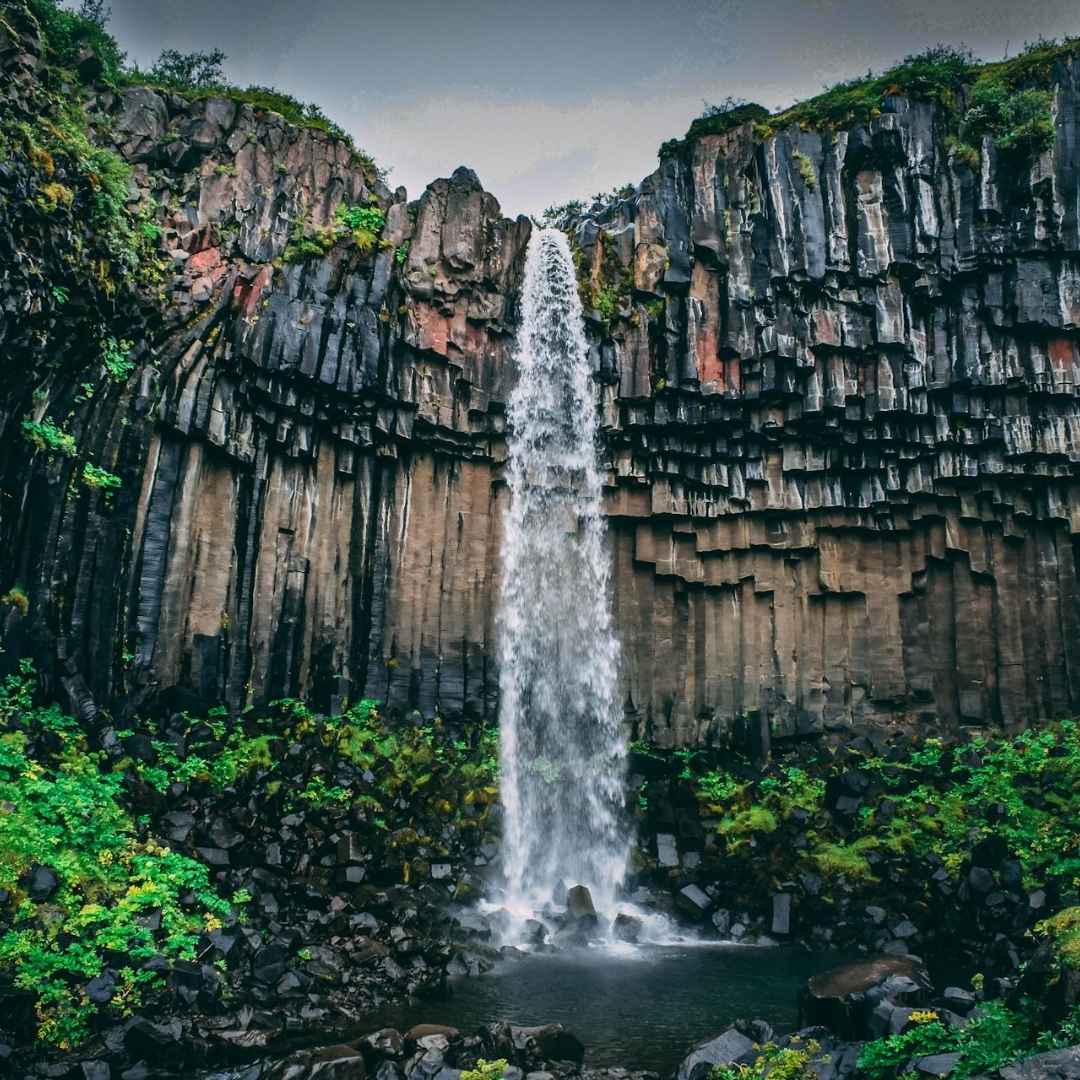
(840, 429)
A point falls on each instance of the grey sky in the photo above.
(553, 99)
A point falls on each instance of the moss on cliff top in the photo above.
(1010, 109)
(69, 37)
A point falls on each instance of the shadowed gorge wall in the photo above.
(837, 385)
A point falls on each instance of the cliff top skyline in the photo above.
(556, 100)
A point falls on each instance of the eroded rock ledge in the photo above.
(840, 425)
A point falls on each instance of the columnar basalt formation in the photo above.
(838, 391)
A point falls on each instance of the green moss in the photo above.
(845, 860)
(1063, 932)
(1008, 99)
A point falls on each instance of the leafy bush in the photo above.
(68, 33)
(361, 223)
(63, 812)
(1063, 932)
(100, 479)
(792, 1062)
(486, 1070)
(994, 1036)
(726, 116)
(46, 435)
(116, 358)
(189, 71)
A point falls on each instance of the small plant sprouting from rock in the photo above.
(99, 479)
(48, 436)
(792, 1062)
(806, 169)
(116, 359)
(362, 223)
(486, 1070)
(16, 597)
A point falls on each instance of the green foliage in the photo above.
(792, 1062)
(486, 1070)
(845, 860)
(554, 214)
(16, 597)
(1063, 932)
(360, 223)
(189, 71)
(68, 33)
(1019, 120)
(401, 253)
(63, 810)
(1008, 100)
(116, 358)
(995, 1035)
(806, 169)
(100, 479)
(46, 435)
(729, 114)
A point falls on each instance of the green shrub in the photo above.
(486, 1070)
(116, 358)
(46, 435)
(993, 1037)
(67, 33)
(189, 71)
(1063, 932)
(63, 810)
(100, 479)
(792, 1062)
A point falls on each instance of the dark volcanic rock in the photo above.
(855, 1000)
(731, 1048)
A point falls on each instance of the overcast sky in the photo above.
(550, 100)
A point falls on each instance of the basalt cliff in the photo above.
(836, 374)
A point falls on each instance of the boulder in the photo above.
(781, 913)
(856, 1001)
(627, 927)
(694, 901)
(731, 1048)
(579, 903)
(324, 1063)
(1054, 1065)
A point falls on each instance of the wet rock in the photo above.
(730, 1048)
(627, 927)
(42, 882)
(154, 1042)
(667, 851)
(100, 990)
(694, 901)
(579, 903)
(781, 913)
(937, 1064)
(1055, 1065)
(324, 1063)
(856, 1000)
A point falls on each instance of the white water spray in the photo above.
(563, 754)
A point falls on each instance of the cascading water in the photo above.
(563, 755)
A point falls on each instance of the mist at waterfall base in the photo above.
(563, 753)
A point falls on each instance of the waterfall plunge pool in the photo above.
(644, 1007)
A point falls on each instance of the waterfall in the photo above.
(563, 755)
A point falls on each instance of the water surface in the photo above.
(644, 1008)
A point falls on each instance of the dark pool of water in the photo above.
(644, 1011)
